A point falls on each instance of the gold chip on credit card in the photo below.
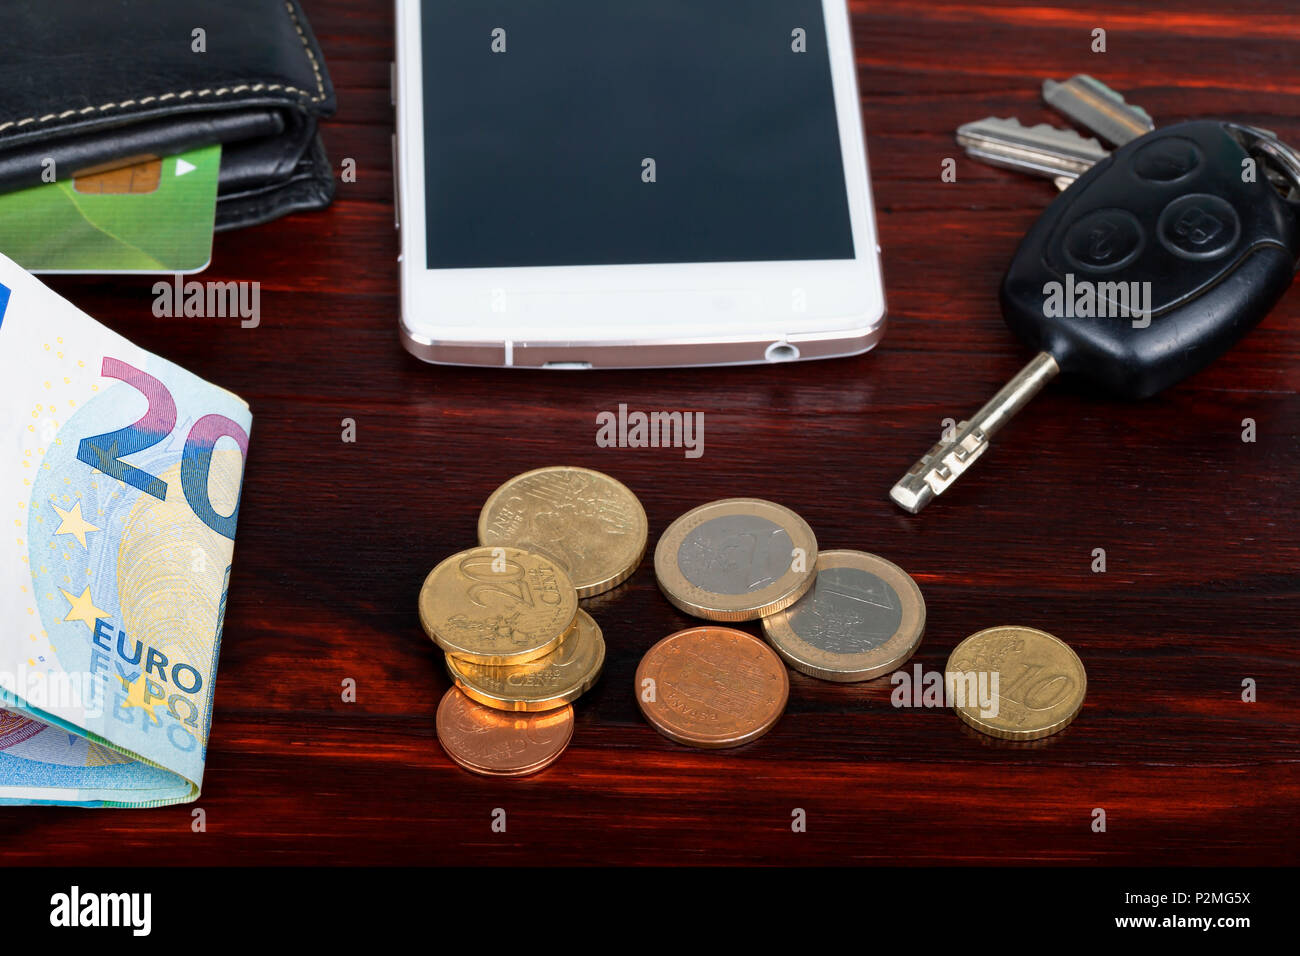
(141, 175)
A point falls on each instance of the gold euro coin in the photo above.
(544, 684)
(736, 560)
(863, 617)
(1016, 683)
(592, 525)
(497, 605)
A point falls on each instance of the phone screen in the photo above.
(596, 132)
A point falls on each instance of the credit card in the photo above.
(153, 215)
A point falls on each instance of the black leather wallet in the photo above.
(88, 83)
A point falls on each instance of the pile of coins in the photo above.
(518, 647)
(836, 615)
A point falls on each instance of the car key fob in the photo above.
(1156, 261)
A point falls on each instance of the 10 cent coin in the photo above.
(1032, 683)
(560, 677)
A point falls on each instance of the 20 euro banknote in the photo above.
(120, 476)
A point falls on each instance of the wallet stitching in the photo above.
(186, 94)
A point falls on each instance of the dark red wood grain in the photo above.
(1199, 528)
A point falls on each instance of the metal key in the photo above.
(1095, 105)
(946, 461)
(1059, 154)
(1042, 150)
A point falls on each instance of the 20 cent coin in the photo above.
(498, 605)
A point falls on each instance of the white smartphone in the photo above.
(588, 184)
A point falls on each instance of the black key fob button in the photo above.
(1199, 226)
(1104, 240)
(1166, 160)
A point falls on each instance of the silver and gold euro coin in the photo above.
(736, 560)
(864, 617)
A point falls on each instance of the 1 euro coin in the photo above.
(864, 617)
(736, 560)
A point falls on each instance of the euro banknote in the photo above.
(120, 476)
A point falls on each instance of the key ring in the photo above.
(1267, 143)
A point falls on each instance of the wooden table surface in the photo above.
(1199, 528)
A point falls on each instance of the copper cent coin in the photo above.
(497, 743)
(712, 687)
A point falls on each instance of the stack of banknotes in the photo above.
(120, 476)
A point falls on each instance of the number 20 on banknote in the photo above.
(105, 452)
